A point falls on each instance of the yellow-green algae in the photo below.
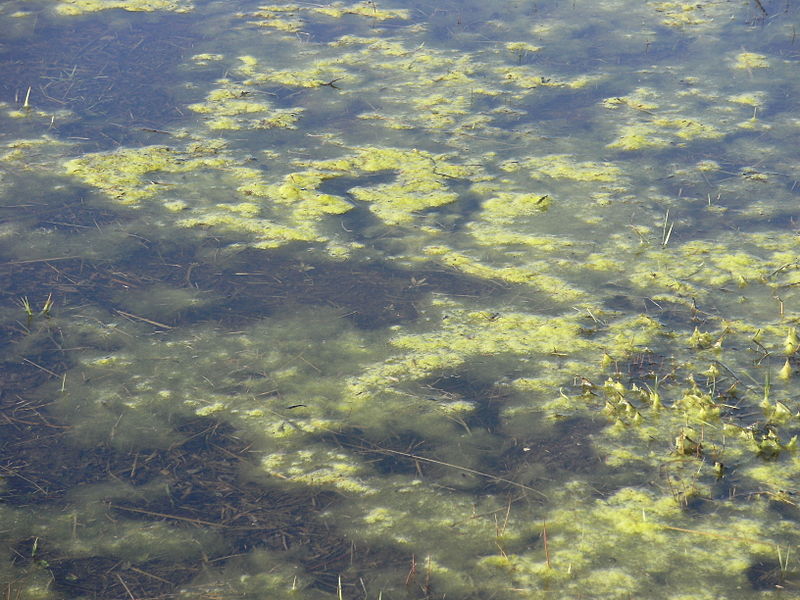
(260, 573)
(637, 517)
(127, 174)
(292, 18)
(572, 224)
(750, 60)
(562, 167)
(78, 7)
(130, 177)
(364, 9)
(324, 73)
(650, 129)
(530, 274)
(30, 153)
(233, 108)
(421, 180)
(466, 335)
(680, 14)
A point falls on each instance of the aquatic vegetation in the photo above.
(649, 129)
(123, 174)
(292, 18)
(205, 58)
(635, 516)
(30, 154)
(258, 573)
(280, 18)
(680, 14)
(575, 366)
(750, 60)
(230, 108)
(528, 275)
(78, 7)
(363, 9)
(562, 167)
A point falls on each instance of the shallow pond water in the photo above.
(399, 300)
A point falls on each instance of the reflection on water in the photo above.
(394, 300)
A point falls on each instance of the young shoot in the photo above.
(48, 305)
(26, 306)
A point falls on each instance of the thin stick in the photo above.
(546, 547)
(412, 571)
(191, 520)
(157, 578)
(36, 260)
(508, 514)
(13, 473)
(48, 371)
(126, 587)
(667, 230)
(166, 516)
(148, 321)
(427, 587)
(465, 469)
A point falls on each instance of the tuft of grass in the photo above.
(26, 306)
(30, 313)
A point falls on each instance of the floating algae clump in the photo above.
(505, 208)
(363, 9)
(661, 131)
(31, 154)
(690, 268)
(281, 18)
(635, 519)
(320, 73)
(78, 7)
(260, 573)
(530, 274)
(562, 166)
(680, 14)
(247, 378)
(292, 18)
(318, 467)
(214, 198)
(232, 108)
(466, 335)
(122, 173)
(750, 60)
(421, 183)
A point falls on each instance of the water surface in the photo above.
(399, 300)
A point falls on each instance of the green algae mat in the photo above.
(399, 300)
